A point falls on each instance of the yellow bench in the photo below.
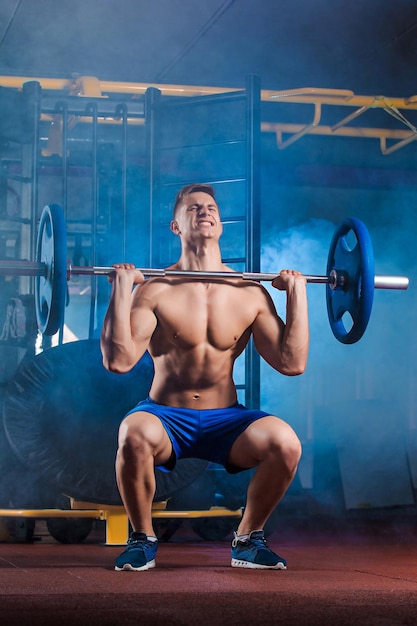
(117, 523)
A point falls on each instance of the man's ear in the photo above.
(175, 227)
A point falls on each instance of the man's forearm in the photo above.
(296, 337)
(116, 337)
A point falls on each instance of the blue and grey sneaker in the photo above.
(253, 552)
(139, 554)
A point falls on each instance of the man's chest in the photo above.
(195, 313)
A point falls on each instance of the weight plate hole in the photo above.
(347, 321)
(350, 241)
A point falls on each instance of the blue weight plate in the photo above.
(51, 289)
(355, 260)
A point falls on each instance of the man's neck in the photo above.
(205, 258)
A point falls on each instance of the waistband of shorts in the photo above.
(150, 400)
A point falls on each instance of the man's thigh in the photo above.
(259, 438)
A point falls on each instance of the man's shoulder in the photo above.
(152, 288)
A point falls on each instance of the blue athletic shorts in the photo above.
(208, 434)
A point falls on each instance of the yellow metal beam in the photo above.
(384, 135)
(47, 513)
(318, 98)
(117, 522)
(92, 86)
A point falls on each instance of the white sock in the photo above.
(242, 537)
(246, 536)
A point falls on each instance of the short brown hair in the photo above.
(194, 187)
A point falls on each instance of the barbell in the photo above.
(350, 280)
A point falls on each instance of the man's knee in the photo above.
(139, 436)
(286, 447)
(292, 452)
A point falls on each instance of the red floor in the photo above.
(363, 576)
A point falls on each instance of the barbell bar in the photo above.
(350, 280)
(33, 268)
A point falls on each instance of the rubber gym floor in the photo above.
(339, 573)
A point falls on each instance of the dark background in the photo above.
(355, 408)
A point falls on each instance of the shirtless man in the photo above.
(194, 330)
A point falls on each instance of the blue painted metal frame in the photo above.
(177, 128)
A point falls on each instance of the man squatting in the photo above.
(194, 329)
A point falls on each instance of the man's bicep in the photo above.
(268, 329)
(143, 322)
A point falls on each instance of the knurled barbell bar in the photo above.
(350, 279)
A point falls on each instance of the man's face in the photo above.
(197, 216)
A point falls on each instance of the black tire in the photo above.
(214, 528)
(69, 530)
